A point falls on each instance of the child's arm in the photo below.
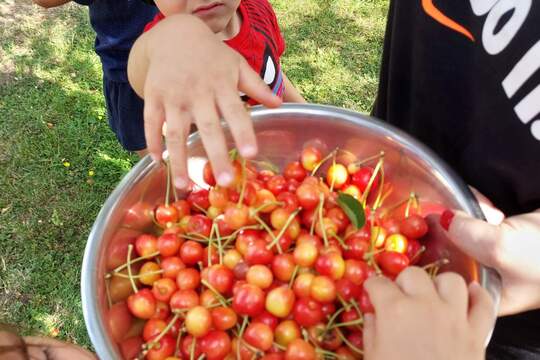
(50, 3)
(291, 94)
(187, 75)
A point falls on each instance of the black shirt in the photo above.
(464, 78)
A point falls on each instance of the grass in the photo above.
(59, 160)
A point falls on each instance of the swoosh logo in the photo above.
(438, 16)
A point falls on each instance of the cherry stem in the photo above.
(243, 189)
(348, 323)
(370, 254)
(348, 343)
(418, 253)
(280, 347)
(378, 201)
(384, 197)
(108, 292)
(195, 237)
(320, 163)
(372, 180)
(134, 276)
(200, 209)
(333, 177)
(160, 226)
(234, 234)
(220, 298)
(340, 240)
(314, 220)
(266, 165)
(295, 272)
(345, 305)
(201, 357)
(368, 159)
(164, 332)
(437, 263)
(220, 247)
(412, 198)
(210, 245)
(271, 203)
(321, 222)
(326, 353)
(233, 154)
(240, 334)
(332, 319)
(283, 229)
(192, 348)
(269, 231)
(178, 339)
(357, 308)
(130, 275)
(168, 191)
(122, 267)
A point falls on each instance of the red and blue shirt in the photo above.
(259, 41)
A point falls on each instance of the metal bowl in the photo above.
(282, 133)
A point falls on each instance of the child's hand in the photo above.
(187, 75)
(417, 318)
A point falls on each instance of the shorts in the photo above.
(125, 112)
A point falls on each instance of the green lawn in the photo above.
(59, 160)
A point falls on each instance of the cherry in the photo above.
(323, 289)
(302, 285)
(353, 191)
(392, 263)
(199, 200)
(307, 312)
(344, 353)
(289, 200)
(292, 186)
(337, 176)
(191, 253)
(328, 309)
(184, 299)
(236, 216)
(168, 244)
(357, 246)
(446, 219)
(330, 264)
(163, 289)
(223, 318)
(397, 243)
(310, 158)
(414, 226)
(224, 229)
(266, 318)
(171, 266)
(248, 300)
(212, 253)
(208, 299)
(339, 218)
(120, 320)
(362, 177)
(300, 350)
(231, 258)
(216, 345)
(259, 335)
(208, 174)
(378, 236)
(279, 218)
(264, 175)
(188, 279)
(240, 271)
(146, 244)
(200, 225)
(365, 303)
(265, 201)
(163, 349)
(286, 332)
(221, 278)
(283, 267)
(148, 273)
(162, 310)
(131, 347)
(347, 290)
(258, 253)
(182, 207)
(276, 184)
(305, 254)
(166, 214)
(218, 197)
(198, 321)
(327, 226)
(260, 275)
(327, 339)
(356, 338)
(153, 328)
(294, 171)
(279, 301)
(246, 238)
(392, 226)
(356, 271)
(308, 196)
(413, 251)
(191, 345)
(142, 304)
(348, 316)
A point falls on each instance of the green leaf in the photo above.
(353, 209)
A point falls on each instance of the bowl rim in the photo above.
(103, 345)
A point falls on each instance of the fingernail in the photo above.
(248, 151)
(224, 179)
(446, 219)
(181, 183)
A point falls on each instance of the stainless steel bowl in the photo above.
(282, 134)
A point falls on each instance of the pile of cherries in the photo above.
(271, 268)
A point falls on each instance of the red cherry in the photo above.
(294, 171)
(311, 156)
(356, 271)
(163, 349)
(187, 346)
(266, 318)
(339, 218)
(300, 350)
(191, 253)
(131, 347)
(199, 200)
(146, 244)
(153, 328)
(248, 300)
(223, 318)
(166, 214)
(413, 251)
(361, 179)
(365, 303)
(259, 335)
(120, 320)
(142, 304)
(257, 253)
(392, 263)
(290, 201)
(216, 345)
(200, 225)
(283, 267)
(188, 279)
(163, 289)
(171, 267)
(276, 184)
(162, 310)
(168, 244)
(307, 312)
(347, 290)
(221, 278)
(183, 207)
(208, 174)
(414, 227)
(184, 299)
(308, 196)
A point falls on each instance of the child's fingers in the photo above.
(233, 111)
(154, 116)
(207, 120)
(178, 122)
(415, 281)
(453, 290)
(369, 332)
(381, 291)
(481, 315)
(252, 85)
